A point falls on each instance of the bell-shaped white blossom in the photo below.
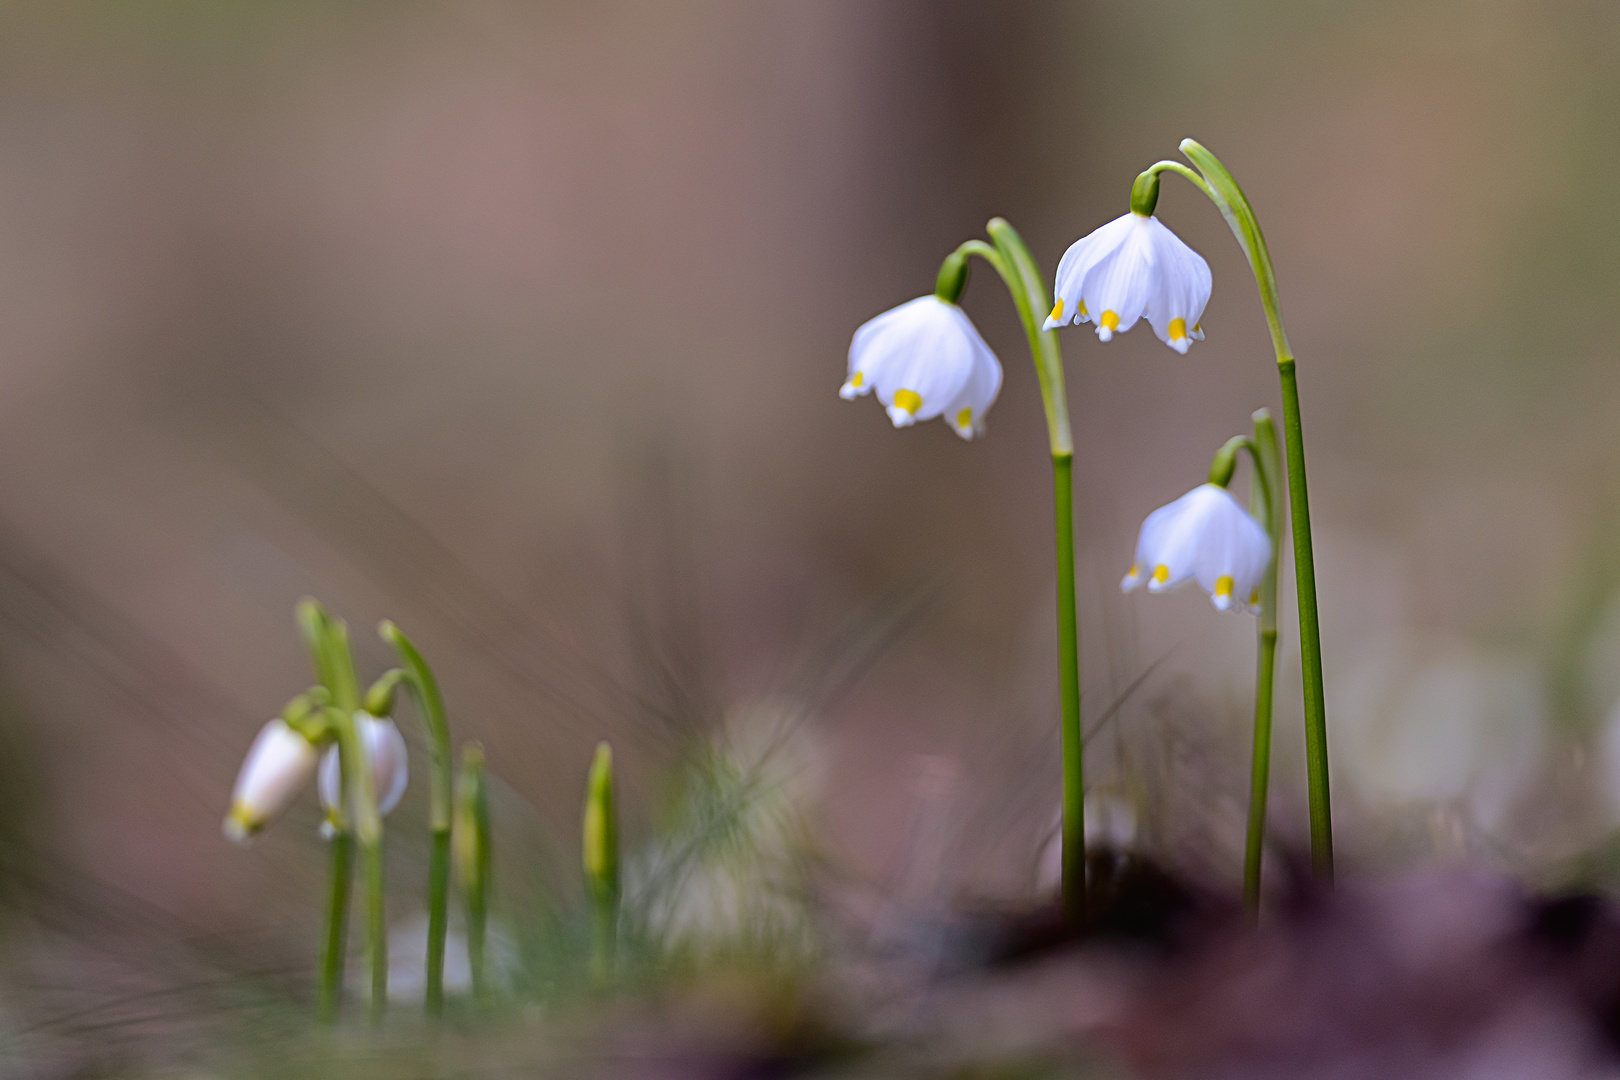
(925, 359)
(1206, 536)
(278, 765)
(1131, 267)
(390, 765)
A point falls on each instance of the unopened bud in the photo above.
(278, 765)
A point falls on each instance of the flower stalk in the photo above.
(1212, 178)
(417, 677)
(1011, 259)
(600, 850)
(472, 851)
(355, 819)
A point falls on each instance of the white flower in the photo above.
(1130, 267)
(390, 767)
(925, 359)
(278, 765)
(1204, 535)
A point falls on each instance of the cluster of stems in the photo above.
(355, 822)
(1010, 258)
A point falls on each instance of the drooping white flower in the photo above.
(1204, 535)
(390, 765)
(1131, 267)
(278, 765)
(925, 359)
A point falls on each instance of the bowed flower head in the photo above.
(278, 765)
(390, 767)
(1131, 267)
(1204, 535)
(925, 359)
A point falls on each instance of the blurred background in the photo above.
(522, 324)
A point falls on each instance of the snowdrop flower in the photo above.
(390, 768)
(278, 765)
(1131, 267)
(925, 359)
(1207, 536)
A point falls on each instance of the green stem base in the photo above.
(1074, 774)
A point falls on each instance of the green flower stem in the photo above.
(1011, 259)
(328, 991)
(600, 855)
(424, 689)
(473, 856)
(328, 639)
(1216, 182)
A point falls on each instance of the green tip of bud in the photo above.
(380, 698)
(1145, 193)
(601, 831)
(953, 274)
(1225, 463)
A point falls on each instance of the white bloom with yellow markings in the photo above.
(1205, 536)
(278, 765)
(1129, 268)
(925, 359)
(385, 750)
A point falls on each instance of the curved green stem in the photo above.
(1012, 260)
(334, 943)
(424, 689)
(1224, 192)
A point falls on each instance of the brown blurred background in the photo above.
(522, 325)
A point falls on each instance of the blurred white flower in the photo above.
(1130, 267)
(278, 765)
(1207, 536)
(925, 359)
(390, 766)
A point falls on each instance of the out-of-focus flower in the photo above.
(1204, 535)
(925, 359)
(278, 765)
(390, 765)
(1131, 267)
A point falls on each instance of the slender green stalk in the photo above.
(1216, 182)
(600, 853)
(473, 856)
(424, 689)
(1011, 259)
(329, 990)
(1267, 508)
(1074, 793)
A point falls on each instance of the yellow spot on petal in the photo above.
(1198, 328)
(1083, 310)
(1254, 598)
(1057, 309)
(964, 418)
(1109, 320)
(858, 379)
(1161, 574)
(1223, 585)
(908, 400)
(1134, 571)
(1178, 329)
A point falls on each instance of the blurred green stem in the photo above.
(473, 856)
(328, 641)
(1213, 179)
(1011, 259)
(424, 689)
(600, 854)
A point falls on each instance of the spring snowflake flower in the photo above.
(390, 766)
(925, 359)
(1204, 535)
(1131, 267)
(278, 765)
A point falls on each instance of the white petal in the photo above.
(1207, 536)
(1116, 289)
(966, 412)
(1180, 291)
(385, 751)
(918, 357)
(277, 767)
(1077, 262)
